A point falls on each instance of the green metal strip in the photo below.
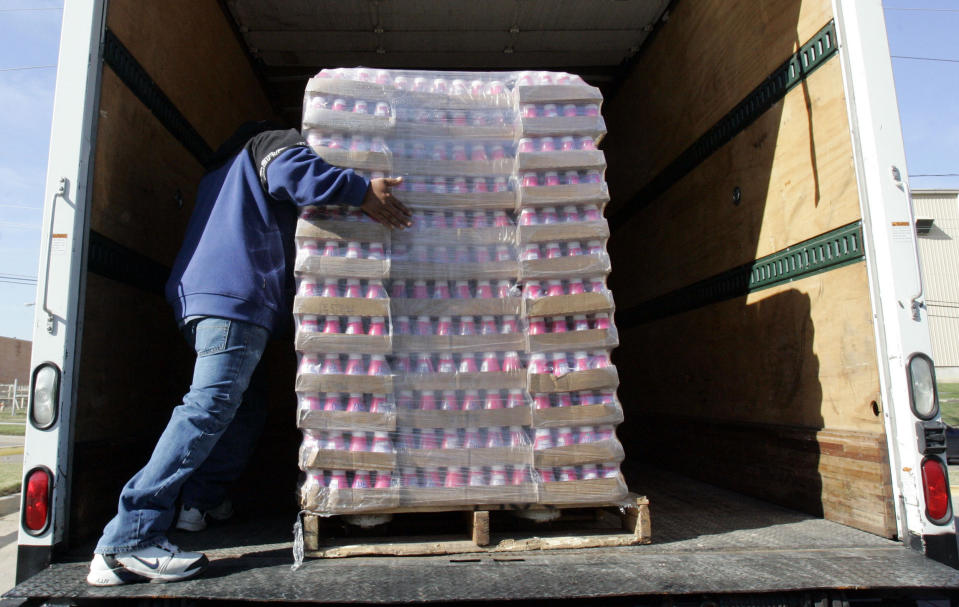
(810, 56)
(829, 251)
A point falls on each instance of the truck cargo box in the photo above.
(773, 351)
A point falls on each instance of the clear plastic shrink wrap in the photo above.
(465, 360)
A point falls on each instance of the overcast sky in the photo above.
(927, 90)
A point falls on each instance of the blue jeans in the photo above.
(207, 441)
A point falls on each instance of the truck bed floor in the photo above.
(706, 540)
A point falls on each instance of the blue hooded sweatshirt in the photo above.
(237, 257)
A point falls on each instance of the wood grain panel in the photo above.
(191, 52)
(784, 465)
(801, 354)
(705, 60)
(139, 169)
(794, 167)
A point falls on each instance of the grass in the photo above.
(19, 417)
(949, 403)
(10, 473)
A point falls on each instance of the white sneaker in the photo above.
(193, 519)
(106, 571)
(163, 562)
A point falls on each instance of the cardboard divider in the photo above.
(503, 494)
(578, 415)
(465, 458)
(454, 271)
(340, 267)
(342, 231)
(341, 121)
(562, 125)
(339, 342)
(589, 491)
(341, 306)
(502, 167)
(425, 496)
(362, 384)
(346, 421)
(581, 230)
(352, 159)
(453, 237)
(451, 202)
(583, 303)
(335, 459)
(562, 194)
(485, 418)
(507, 306)
(568, 266)
(556, 93)
(560, 161)
(515, 380)
(350, 501)
(593, 379)
(599, 452)
(460, 343)
(573, 340)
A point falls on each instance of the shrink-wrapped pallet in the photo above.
(465, 360)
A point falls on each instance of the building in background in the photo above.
(937, 225)
(15, 361)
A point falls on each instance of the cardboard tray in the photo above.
(451, 202)
(493, 418)
(560, 161)
(582, 231)
(565, 267)
(562, 125)
(341, 306)
(415, 130)
(578, 415)
(363, 384)
(340, 267)
(556, 93)
(593, 379)
(442, 496)
(491, 270)
(346, 421)
(599, 452)
(453, 168)
(566, 305)
(331, 459)
(452, 237)
(506, 306)
(350, 501)
(459, 381)
(559, 195)
(592, 491)
(459, 343)
(347, 344)
(466, 458)
(342, 231)
(590, 339)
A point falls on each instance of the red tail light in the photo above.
(36, 501)
(935, 485)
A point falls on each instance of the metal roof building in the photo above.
(937, 225)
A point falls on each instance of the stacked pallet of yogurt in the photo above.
(474, 322)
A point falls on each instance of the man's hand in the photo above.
(380, 204)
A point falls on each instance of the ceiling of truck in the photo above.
(290, 40)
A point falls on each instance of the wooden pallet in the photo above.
(484, 528)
